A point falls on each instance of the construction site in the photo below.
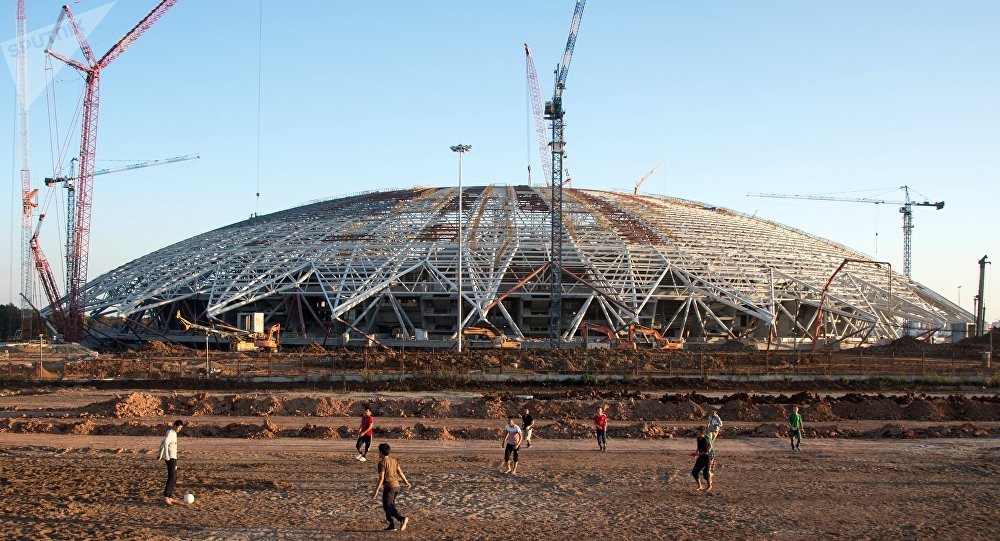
(509, 266)
(447, 309)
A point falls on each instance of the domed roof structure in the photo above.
(384, 264)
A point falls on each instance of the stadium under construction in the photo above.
(382, 267)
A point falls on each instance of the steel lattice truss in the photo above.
(384, 263)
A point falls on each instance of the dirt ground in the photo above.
(79, 463)
(108, 487)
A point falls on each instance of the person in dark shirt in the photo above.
(527, 423)
(703, 462)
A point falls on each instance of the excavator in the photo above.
(493, 338)
(652, 337)
(629, 340)
(240, 339)
(613, 339)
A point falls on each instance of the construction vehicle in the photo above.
(492, 338)
(652, 337)
(241, 340)
(615, 341)
(646, 177)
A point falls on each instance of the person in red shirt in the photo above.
(365, 434)
(601, 423)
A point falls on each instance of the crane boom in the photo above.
(574, 29)
(538, 112)
(132, 166)
(554, 112)
(90, 68)
(818, 197)
(646, 177)
(46, 277)
(906, 210)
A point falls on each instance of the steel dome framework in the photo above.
(385, 264)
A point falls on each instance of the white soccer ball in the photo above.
(189, 499)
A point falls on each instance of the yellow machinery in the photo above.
(495, 339)
(240, 339)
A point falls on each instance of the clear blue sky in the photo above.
(780, 96)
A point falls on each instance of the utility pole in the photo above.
(980, 300)
(461, 149)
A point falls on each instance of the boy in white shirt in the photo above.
(511, 439)
(714, 425)
(168, 453)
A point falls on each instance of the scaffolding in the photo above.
(384, 265)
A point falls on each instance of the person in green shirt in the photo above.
(795, 429)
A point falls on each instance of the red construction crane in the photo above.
(538, 112)
(47, 278)
(80, 243)
(27, 194)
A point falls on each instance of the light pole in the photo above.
(959, 296)
(461, 149)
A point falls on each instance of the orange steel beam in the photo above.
(822, 297)
(516, 287)
(598, 290)
(368, 336)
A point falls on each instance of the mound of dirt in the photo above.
(313, 349)
(130, 405)
(432, 433)
(689, 407)
(318, 432)
(154, 348)
(484, 408)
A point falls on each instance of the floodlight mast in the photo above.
(461, 149)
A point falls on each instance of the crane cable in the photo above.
(14, 240)
(260, 49)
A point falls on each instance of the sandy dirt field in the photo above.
(80, 464)
(108, 487)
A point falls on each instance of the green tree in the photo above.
(10, 321)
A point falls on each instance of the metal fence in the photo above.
(370, 366)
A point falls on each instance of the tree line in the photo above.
(10, 322)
